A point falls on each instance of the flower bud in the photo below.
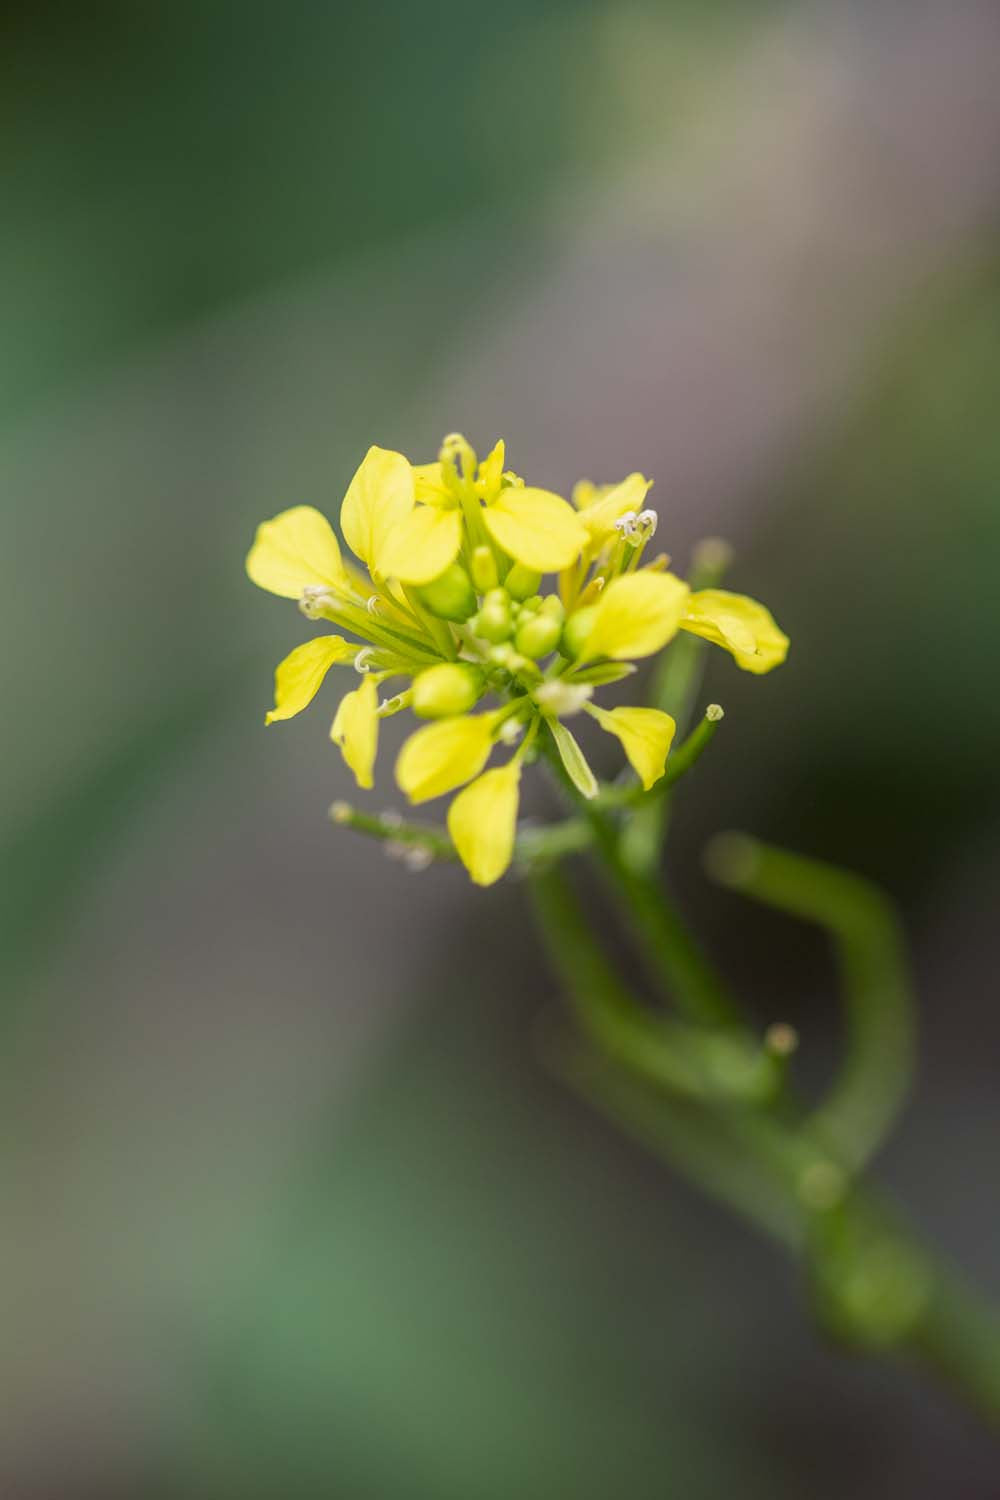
(449, 688)
(538, 635)
(484, 569)
(553, 606)
(493, 622)
(449, 597)
(577, 629)
(522, 582)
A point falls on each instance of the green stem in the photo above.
(873, 1286)
(675, 958)
(675, 687)
(871, 1087)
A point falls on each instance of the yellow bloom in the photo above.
(355, 731)
(298, 678)
(294, 551)
(482, 821)
(636, 615)
(740, 625)
(606, 506)
(443, 755)
(379, 497)
(535, 527)
(646, 735)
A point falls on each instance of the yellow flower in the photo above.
(443, 755)
(740, 625)
(646, 735)
(482, 821)
(636, 615)
(355, 731)
(298, 678)
(452, 600)
(602, 507)
(295, 551)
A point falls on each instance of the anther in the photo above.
(626, 524)
(563, 698)
(373, 605)
(362, 662)
(417, 857)
(645, 525)
(714, 712)
(315, 598)
(510, 731)
(780, 1039)
(341, 812)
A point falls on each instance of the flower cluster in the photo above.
(452, 600)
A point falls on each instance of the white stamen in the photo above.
(417, 857)
(510, 731)
(626, 524)
(373, 605)
(341, 812)
(646, 524)
(563, 698)
(315, 598)
(362, 660)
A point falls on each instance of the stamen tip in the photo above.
(341, 812)
(781, 1040)
(714, 713)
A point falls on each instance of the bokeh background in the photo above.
(291, 1205)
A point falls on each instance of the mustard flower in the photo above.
(451, 604)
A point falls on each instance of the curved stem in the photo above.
(865, 1101)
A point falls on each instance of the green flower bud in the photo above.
(493, 621)
(450, 688)
(522, 582)
(484, 570)
(533, 605)
(449, 597)
(577, 629)
(552, 605)
(538, 635)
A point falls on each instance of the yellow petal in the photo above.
(443, 755)
(585, 492)
(482, 822)
(646, 735)
(355, 730)
(535, 527)
(636, 615)
(429, 485)
(422, 545)
(294, 551)
(600, 515)
(298, 678)
(379, 496)
(491, 473)
(740, 625)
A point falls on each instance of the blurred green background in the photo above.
(291, 1205)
